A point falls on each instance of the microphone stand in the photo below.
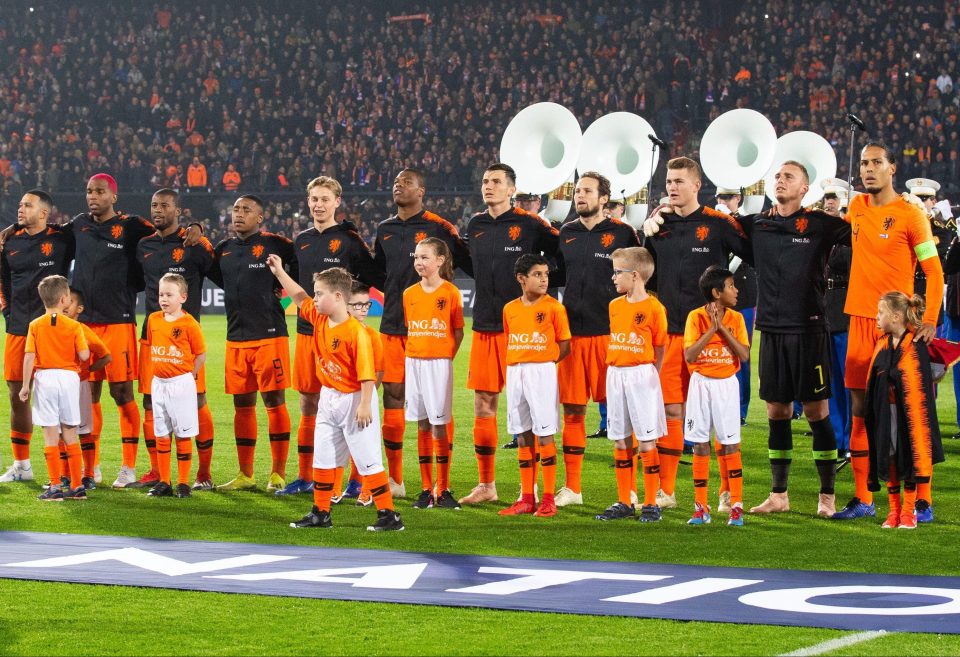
(854, 123)
(654, 144)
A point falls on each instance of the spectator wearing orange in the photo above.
(231, 178)
(197, 175)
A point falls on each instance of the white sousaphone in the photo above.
(542, 144)
(813, 152)
(616, 145)
(736, 151)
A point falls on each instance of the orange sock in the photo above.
(425, 454)
(184, 461)
(88, 452)
(245, 431)
(450, 432)
(441, 448)
(634, 462)
(485, 446)
(860, 459)
(548, 461)
(651, 476)
(623, 468)
(893, 490)
(52, 455)
(393, 426)
(64, 465)
(925, 490)
(97, 430)
(323, 487)
(354, 473)
(722, 465)
(150, 440)
(308, 424)
(75, 464)
(278, 427)
(338, 482)
(129, 432)
(574, 444)
(733, 463)
(204, 443)
(671, 449)
(909, 498)
(528, 473)
(163, 458)
(20, 445)
(380, 489)
(701, 475)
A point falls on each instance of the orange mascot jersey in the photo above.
(431, 319)
(534, 332)
(344, 351)
(55, 339)
(174, 345)
(635, 329)
(715, 361)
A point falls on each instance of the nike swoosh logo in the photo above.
(730, 435)
(83, 230)
(368, 466)
(479, 234)
(303, 246)
(226, 253)
(147, 255)
(569, 240)
(817, 391)
(12, 253)
(649, 430)
(544, 427)
(386, 237)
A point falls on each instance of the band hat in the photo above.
(923, 187)
(526, 196)
(836, 186)
(616, 200)
(728, 190)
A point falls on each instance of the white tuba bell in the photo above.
(542, 143)
(813, 152)
(736, 151)
(616, 145)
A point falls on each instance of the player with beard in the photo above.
(396, 240)
(158, 254)
(496, 238)
(326, 244)
(586, 271)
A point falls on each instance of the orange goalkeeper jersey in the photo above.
(888, 241)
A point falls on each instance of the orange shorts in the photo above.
(264, 366)
(674, 375)
(488, 362)
(13, 350)
(583, 374)
(305, 379)
(862, 338)
(146, 373)
(394, 357)
(121, 341)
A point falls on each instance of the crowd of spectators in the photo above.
(215, 97)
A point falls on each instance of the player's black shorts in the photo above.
(794, 366)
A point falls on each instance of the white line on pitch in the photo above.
(836, 644)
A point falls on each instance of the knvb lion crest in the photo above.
(116, 232)
(46, 248)
(257, 250)
(177, 255)
(606, 240)
(334, 344)
(638, 318)
(176, 333)
(441, 304)
(801, 224)
(419, 237)
(514, 233)
(888, 223)
(541, 317)
(703, 232)
(334, 246)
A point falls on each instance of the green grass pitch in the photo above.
(51, 618)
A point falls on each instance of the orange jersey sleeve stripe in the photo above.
(716, 360)
(534, 332)
(636, 328)
(431, 319)
(55, 340)
(885, 239)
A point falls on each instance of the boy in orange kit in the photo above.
(348, 421)
(715, 342)
(538, 336)
(55, 346)
(638, 334)
(177, 352)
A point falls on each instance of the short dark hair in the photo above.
(418, 174)
(335, 279)
(528, 261)
(603, 183)
(687, 163)
(256, 199)
(77, 293)
(507, 169)
(44, 197)
(714, 278)
(799, 165)
(172, 193)
(887, 151)
(359, 287)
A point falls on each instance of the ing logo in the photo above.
(177, 254)
(257, 250)
(606, 240)
(46, 248)
(514, 233)
(703, 232)
(334, 246)
(419, 237)
(441, 304)
(116, 232)
(801, 224)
